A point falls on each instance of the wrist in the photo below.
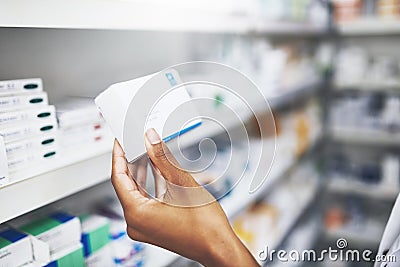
(228, 251)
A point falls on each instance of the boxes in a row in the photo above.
(64, 240)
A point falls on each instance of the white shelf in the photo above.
(370, 26)
(288, 97)
(240, 198)
(360, 136)
(358, 235)
(65, 175)
(294, 94)
(354, 187)
(288, 225)
(369, 87)
(141, 16)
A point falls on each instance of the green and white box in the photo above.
(58, 230)
(15, 247)
(95, 240)
(71, 256)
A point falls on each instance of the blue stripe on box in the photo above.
(61, 217)
(12, 235)
(52, 264)
(86, 244)
(175, 135)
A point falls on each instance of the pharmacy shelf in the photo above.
(368, 137)
(288, 225)
(286, 28)
(240, 198)
(293, 95)
(69, 173)
(369, 27)
(288, 97)
(369, 87)
(357, 234)
(348, 186)
(141, 16)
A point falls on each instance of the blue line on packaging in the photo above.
(175, 135)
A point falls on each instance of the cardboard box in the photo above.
(78, 111)
(3, 163)
(95, 233)
(23, 101)
(24, 115)
(34, 143)
(31, 158)
(21, 131)
(21, 86)
(132, 107)
(58, 230)
(15, 247)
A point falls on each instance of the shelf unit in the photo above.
(79, 171)
(357, 235)
(368, 87)
(66, 177)
(348, 186)
(143, 16)
(369, 26)
(368, 137)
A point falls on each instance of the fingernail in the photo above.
(153, 136)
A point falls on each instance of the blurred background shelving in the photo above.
(328, 69)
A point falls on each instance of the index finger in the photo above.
(123, 184)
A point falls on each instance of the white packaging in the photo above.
(33, 143)
(77, 111)
(23, 101)
(31, 158)
(15, 132)
(21, 86)
(58, 230)
(19, 250)
(85, 134)
(33, 114)
(134, 106)
(3, 163)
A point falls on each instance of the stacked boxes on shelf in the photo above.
(62, 240)
(15, 247)
(125, 252)
(80, 123)
(96, 241)
(27, 126)
(267, 223)
(61, 233)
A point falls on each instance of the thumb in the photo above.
(165, 162)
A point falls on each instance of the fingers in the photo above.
(123, 184)
(163, 159)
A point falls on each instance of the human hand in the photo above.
(189, 221)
